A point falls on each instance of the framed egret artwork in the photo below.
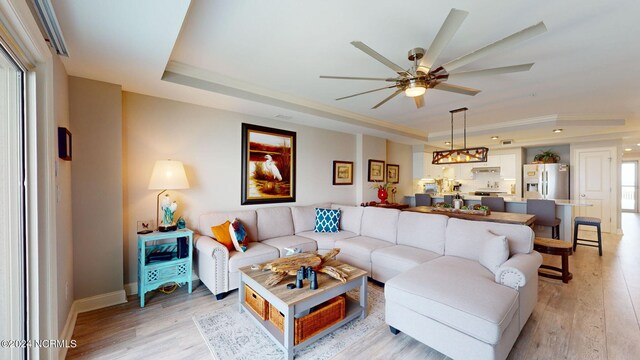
(268, 165)
(393, 173)
(376, 170)
(342, 172)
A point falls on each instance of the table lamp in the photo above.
(167, 175)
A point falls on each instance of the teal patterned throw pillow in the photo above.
(327, 220)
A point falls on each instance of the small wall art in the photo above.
(342, 172)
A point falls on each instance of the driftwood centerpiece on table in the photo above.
(289, 265)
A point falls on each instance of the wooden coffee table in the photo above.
(294, 301)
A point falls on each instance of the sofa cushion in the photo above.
(238, 235)
(423, 231)
(292, 241)
(256, 253)
(327, 241)
(222, 235)
(327, 220)
(380, 223)
(494, 253)
(304, 217)
(465, 238)
(401, 257)
(351, 217)
(274, 222)
(360, 246)
(459, 293)
(248, 219)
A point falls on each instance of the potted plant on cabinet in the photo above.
(546, 157)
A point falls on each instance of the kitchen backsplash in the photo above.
(481, 182)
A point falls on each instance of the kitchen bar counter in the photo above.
(508, 198)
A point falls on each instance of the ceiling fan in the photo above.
(415, 81)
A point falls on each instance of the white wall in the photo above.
(401, 154)
(95, 111)
(208, 142)
(64, 234)
(372, 148)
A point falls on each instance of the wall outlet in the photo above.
(145, 226)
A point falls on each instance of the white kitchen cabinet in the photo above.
(508, 166)
(464, 171)
(432, 171)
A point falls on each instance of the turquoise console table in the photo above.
(156, 273)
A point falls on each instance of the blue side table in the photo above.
(151, 275)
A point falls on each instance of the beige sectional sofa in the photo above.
(436, 289)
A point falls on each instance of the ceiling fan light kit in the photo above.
(464, 155)
(422, 75)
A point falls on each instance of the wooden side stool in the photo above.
(555, 247)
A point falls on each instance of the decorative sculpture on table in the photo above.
(168, 209)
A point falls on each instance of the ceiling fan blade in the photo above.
(387, 99)
(419, 101)
(366, 92)
(457, 89)
(488, 72)
(355, 78)
(449, 28)
(497, 46)
(369, 51)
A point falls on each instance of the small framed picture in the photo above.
(376, 170)
(64, 144)
(342, 172)
(393, 173)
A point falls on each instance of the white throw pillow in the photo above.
(494, 253)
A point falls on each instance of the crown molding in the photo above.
(188, 75)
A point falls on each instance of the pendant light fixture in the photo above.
(464, 155)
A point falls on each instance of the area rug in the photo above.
(232, 335)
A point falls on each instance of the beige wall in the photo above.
(95, 111)
(208, 142)
(402, 155)
(373, 148)
(64, 236)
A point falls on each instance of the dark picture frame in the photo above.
(376, 170)
(65, 149)
(393, 173)
(268, 165)
(342, 172)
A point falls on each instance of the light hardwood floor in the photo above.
(595, 316)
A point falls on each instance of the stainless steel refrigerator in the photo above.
(546, 181)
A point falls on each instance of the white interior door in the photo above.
(594, 185)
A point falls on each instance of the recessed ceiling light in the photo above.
(494, 138)
(638, 144)
(447, 142)
(557, 130)
(627, 149)
(283, 117)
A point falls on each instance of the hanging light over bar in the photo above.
(464, 155)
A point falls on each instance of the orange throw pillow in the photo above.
(221, 233)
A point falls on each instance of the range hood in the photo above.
(486, 170)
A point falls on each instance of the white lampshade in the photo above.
(168, 175)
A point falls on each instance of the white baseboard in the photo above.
(67, 331)
(100, 301)
(132, 288)
(84, 305)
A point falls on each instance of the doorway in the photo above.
(629, 182)
(13, 297)
(594, 185)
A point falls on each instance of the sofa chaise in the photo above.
(437, 289)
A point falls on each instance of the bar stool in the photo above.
(495, 203)
(423, 200)
(545, 212)
(449, 199)
(587, 221)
